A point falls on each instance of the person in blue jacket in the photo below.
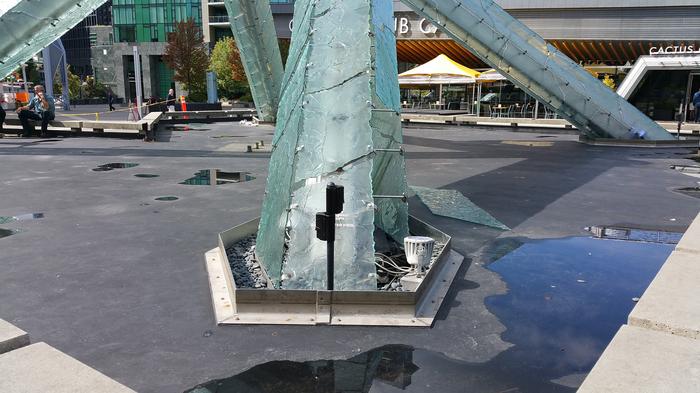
(41, 107)
(696, 104)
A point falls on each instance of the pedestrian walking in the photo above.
(170, 101)
(696, 104)
(110, 100)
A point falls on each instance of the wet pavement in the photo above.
(566, 300)
(123, 289)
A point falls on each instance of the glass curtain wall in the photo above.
(151, 20)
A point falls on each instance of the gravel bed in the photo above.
(246, 270)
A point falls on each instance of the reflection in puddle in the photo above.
(690, 191)
(566, 299)
(185, 128)
(167, 198)
(208, 177)
(146, 175)
(6, 232)
(114, 165)
(392, 365)
(21, 217)
(637, 235)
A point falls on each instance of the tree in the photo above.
(230, 75)
(94, 88)
(231, 78)
(74, 85)
(284, 49)
(186, 54)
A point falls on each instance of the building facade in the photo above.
(605, 37)
(144, 24)
(216, 24)
(78, 40)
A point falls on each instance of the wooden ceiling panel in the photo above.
(585, 52)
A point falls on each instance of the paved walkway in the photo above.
(117, 280)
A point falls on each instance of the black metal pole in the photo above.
(330, 249)
(325, 226)
(681, 112)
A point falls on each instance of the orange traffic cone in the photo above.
(183, 104)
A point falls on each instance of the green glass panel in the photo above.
(332, 119)
(451, 203)
(256, 38)
(30, 26)
(388, 171)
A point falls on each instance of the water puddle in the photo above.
(146, 175)
(566, 299)
(185, 128)
(167, 198)
(210, 177)
(636, 235)
(529, 143)
(21, 217)
(114, 165)
(6, 232)
(392, 366)
(689, 191)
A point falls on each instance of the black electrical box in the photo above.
(335, 198)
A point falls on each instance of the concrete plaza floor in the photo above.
(117, 280)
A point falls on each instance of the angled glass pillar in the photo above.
(538, 68)
(338, 122)
(54, 57)
(30, 26)
(256, 38)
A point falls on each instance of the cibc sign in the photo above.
(407, 25)
(674, 50)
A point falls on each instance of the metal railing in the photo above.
(218, 19)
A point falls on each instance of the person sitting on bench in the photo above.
(2, 114)
(41, 107)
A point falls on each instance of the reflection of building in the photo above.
(392, 365)
(77, 41)
(145, 24)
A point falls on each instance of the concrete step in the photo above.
(40, 368)
(641, 360)
(671, 304)
(11, 337)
